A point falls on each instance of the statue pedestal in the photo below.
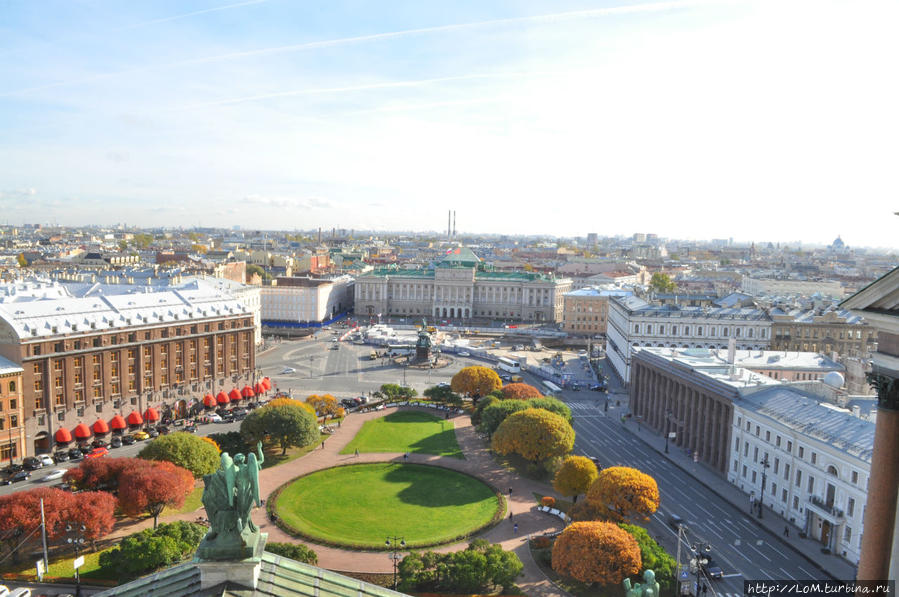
(217, 567)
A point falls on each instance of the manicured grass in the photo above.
(273, 456)
(62, 568)
(191, 503)
(359, 505)
(407, 431)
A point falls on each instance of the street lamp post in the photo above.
(75, 538)
(667, 428)
(395, 544)
(699, 560)
(764, 464)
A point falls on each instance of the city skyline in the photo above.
(689, 119)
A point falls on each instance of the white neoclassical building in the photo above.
(818, 457)
(634, 323)
(461, 287)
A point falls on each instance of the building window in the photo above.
(855, 477)
(850, 507)
(757, 431)
(767, 436)
(847, 536)
(755, 454)
(12, 388)
(776, 465)
(814, 457)
(798, 478)
(811, 484)
(783, 495)
(744, 471)
(786, 470)
(777, 441)
(789, 446)
(753, 477)
(795, 502)
(801, 452)
(774, 489)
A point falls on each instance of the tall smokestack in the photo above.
(449, 219)
(319, 235)
(454, 222)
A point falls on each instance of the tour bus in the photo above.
(551, 388)
(508, 365)
(400, 349)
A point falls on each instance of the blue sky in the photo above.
(754, 120)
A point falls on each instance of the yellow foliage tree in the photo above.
(596, 552)
(520, 391)
(534, 434)
(475, 381)
(290, 402)
(621, 493)
(324, 405)
(575, 476)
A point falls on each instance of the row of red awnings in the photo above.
(151, 415)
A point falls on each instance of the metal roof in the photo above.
(809, 417)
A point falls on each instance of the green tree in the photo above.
(443, 394)
(479, 409)
(493, 416)
(290, 425)
(294, 551)
(575, 476)
(479, 568)
(185, 450)
(534, 434)
(142, 240)
(654, 557)
(152, 548)
(553, 405)
(392, 391)
(662, 283)
(231, 442)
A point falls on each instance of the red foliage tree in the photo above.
(520, 391)
(148, 490)
(101, 473)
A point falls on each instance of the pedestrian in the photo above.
(515, 528)
(406, 456)
(786, 530)
(323, 445)
(338, 423)
(357, 452)
(510, 513)
(510, 492)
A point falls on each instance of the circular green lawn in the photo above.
(362, 504)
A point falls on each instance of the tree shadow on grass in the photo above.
(437, 487)
(441, 444)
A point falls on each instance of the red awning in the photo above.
(266, 383)
(62, 436)
(247, 392)
(82, 431)
(221, 398)
(134, 418)
(209, 401)
(259, 388)
(100, 426)
(151, 415)
(118, 423)
(234, 394)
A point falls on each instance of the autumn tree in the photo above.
(148, 490)
(101, 473)
(290, 402)
(622, 493)
(476, 382)
(661, 283)
(534, 434)
(596, 552)
(575, 476)
(324, 405)
(553, 405)
(186, 450)
(290, 425)
(497, 412)
(520, 391)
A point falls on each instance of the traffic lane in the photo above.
(744, 546)
(37, 476)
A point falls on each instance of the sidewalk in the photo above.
(829, 565)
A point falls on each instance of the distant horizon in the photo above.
(693, 118)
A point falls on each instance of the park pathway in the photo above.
(478, 462)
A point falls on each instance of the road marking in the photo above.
(734, 575)
(778, 551)
(787, 574)
(758, 551)
(810, 575)
(737, 542)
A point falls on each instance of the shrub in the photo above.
(196, 454)
(152, 548)
(541, 542)
(294, 551)
(548, 501)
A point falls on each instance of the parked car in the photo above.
(46, 459)
(152, 433)
(141, 435)
(54, 474)
(85, 449)
(190, 427)
(6, 480)
(20, 476)
(97, 453)
(463, 353)
(75, 454)
(213, 418)
(287, 370)
(127, 440)
(12, 468)
(598, 387)
(228, 418)
(61, 456)
(335, 347)
(115, 442)
(443, 384)
(162, 429)
(711, 568)
(31, 463)
(99, 443)
(675, 521)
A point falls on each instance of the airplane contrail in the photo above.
(547, 18)
(189, 14)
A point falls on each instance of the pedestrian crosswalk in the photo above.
(584, 406)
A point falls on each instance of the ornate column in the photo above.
(883, 484)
